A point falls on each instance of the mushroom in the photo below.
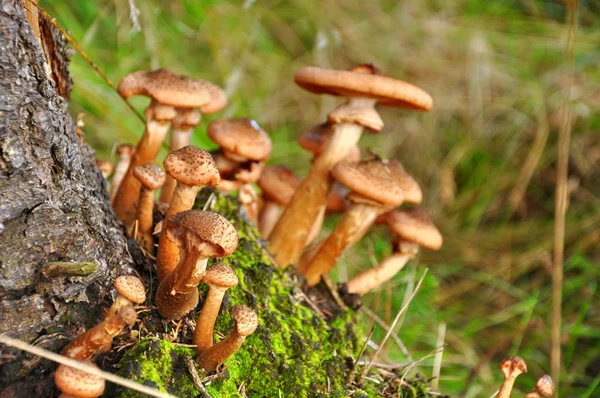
(413, 228)
(315, 140)
(106, 168)
(246, 322)
(364, 88)
(512, 367)
(167, 91)
(199, 235)
(410, 187)
(152, 178)
(278, 184)
(77, 383)
(193, 168)
(130, 290)
(374, 192)
(124, 151)
(98, 339)
(219, 278)
(543, 388)
(181, 135)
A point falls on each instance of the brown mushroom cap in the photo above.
(192, 166)
(78, 383)
(357, 83)
(410, 186)
(150, 175)
(105, 167)
(170, 89)
(513, 366)
(221, 275)
(545, 386)
(415, 225)
(125, 150)
(241, 136)
(208, 227)
(371, 179)
(245, 318)
(278, 184)
(130, 287)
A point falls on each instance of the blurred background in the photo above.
(486, 155)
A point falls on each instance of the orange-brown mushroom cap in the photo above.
(513, 366)
(278, 184)
(150, 175)
(192, 166)
(545, 386)
(221, 275)
(130, 287)
(415, 225)
(246, 320)
(371, 179)
(356, 83)
(125, 150)
(241, 136)
(208, 227)
(77, 383)
(174, 90)
(410, 187)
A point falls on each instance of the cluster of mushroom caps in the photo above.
(514, 366)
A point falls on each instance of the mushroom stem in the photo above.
(203, 335)
(249, 201)
(157, 124)
(144, 219)
(351, 228)
(376, 276)
(269, 215)
(121, 169)
(316, 228)
(293, 228)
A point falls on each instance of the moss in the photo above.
(294, 352)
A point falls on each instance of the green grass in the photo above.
(496, 70)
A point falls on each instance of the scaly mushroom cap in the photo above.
(362, 82)
(371, 179)
(221, 275)
(209, 227)
(315, 140)
(278, 184)
(513, 366)
(410, 187)
(415, 225)
(192, 166)
(125, 150)
(545, 386)
(130, 287)
(241, 136)
(151, 176)
(168, 88)
(245, 319)
(77, 383)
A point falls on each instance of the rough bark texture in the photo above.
(53, 206)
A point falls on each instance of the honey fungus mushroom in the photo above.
(200, 235)
(278, 184)
(152, 178)
(363, 87)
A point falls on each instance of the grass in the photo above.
(486, 155)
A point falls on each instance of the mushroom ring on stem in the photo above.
(200, 235)
(167, 91)
(374, 192)
(364, 88)
(193, 168)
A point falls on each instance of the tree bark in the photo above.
(53, 204)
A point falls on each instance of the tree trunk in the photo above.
(53, 204)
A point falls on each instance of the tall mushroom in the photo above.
(182, 127)
(278, 184)
(374, 192)
(124, 151)
(512, 367)
(193, 168)
(363, 88)
(246, 322)
(152, 178)
(413, 228)
(167, 91)
(219, 278)
(200, 235)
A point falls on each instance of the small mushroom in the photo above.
(76, 383)
(124, 151)
(182, 127)
(512, 367)
(364, 88)
(106, 168)
(219, 278)
(98, 339)
(543, 388)
(278, 184)
(167, 91)
(193, 168)
(152, 178)
(374, 192)
(200, 235)
(130, 291)
(246, 322)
